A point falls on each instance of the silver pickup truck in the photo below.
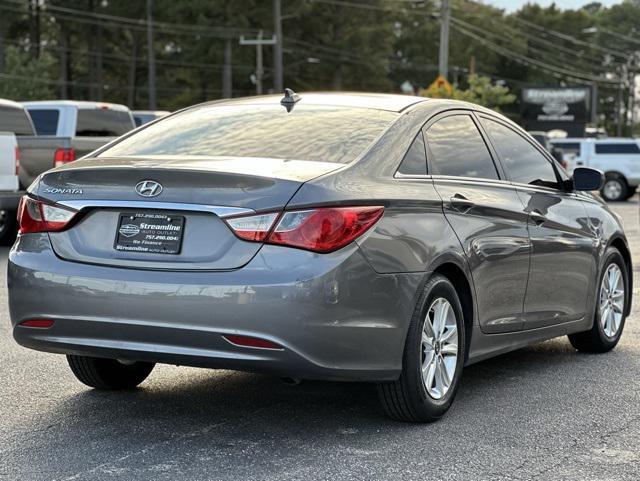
(89, 125)
(37, 153)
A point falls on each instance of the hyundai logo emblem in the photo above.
(148, 188)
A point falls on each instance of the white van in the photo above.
(618, 158)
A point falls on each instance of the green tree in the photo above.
(481, 91)
(27, 78)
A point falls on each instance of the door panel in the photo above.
(489, 219)
(562, 261)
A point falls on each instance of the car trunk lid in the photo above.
(196, 195)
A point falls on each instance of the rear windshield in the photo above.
(630, 148)
(15, 120)
(45, 121)
(318, 133)
(103, 123)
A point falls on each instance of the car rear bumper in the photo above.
(334, 316)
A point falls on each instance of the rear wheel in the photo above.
(433, 357)
(109, 373)
(610, 308)
(615, 188)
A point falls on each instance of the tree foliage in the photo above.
(97, 49)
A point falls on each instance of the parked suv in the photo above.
(90, 125)
(356, 237)
(618, 158)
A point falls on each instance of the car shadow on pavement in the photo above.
(192, 397)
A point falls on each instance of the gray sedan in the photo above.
(361, 237)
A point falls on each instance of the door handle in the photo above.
(537, 217)
(460, 203)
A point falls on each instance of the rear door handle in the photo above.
(537, 217)
(460, 203)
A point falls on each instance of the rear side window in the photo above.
(45, 121)
(457, 148)
(103, 123)
(630, 148)
(309, 132)
(522, 161)
(415, 160)
(15, 120)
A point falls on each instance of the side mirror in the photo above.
(585, 178)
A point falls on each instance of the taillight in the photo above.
(36, 216)
(17, 161)
(325, 229)
(253, 228)
(63, 156)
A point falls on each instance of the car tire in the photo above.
(419, 398)
(615, 188)
(8, 227)
(109, 374)
(631, 192)
(601, 338)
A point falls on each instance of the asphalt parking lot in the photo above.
(545, 412)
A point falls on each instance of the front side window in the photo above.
(415, 160)
(629, 148)
(45, 121)
(308, 132)
(456, 148)
(522, 161)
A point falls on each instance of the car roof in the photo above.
(608, 140)
(150, 112)
(389, 102)
(10, 104)
(80, 104)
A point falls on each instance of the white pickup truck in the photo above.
(618, 158)
(9, 185)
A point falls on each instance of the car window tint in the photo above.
(629, 148)
(45, 121)
(309, 132)
(15, 120)
(415, 160)
(522, 161)
(457, 148)
(103, 123)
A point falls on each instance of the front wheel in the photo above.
(611, 306)
(433, 357)
(109, 374)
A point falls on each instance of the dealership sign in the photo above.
(556, 104)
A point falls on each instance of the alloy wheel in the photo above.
(439, 348)
(612, 189)
(611, 300)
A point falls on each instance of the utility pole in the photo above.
(151, 57)
(227, 79)
(278, 81)
(258, 42)
(445, 19)
(34, 27)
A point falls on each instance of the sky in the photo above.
(511, 5)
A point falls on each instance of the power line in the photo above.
(550, 68)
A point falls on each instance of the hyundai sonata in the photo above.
(356, 237)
